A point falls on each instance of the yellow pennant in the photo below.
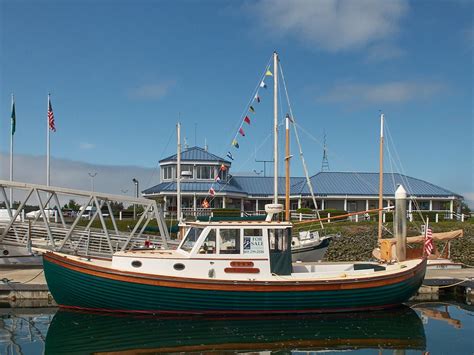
(268, 73)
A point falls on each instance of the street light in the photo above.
(135, 181)
(92, 175)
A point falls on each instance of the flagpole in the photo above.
(379, 232)
(12, 132)
(47, 145)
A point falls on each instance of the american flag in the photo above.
(52, 127)
(428, 246)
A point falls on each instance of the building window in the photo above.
(205, 172)
(223, 175)
(169, 172)
(187, 172)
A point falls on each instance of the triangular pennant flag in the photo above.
(212, 192)
(223, 167)
(251, 109)
(13, 118)
(230, 156)
(217, 179)
(235, 143)
(268, 73)
(263, 85)
(241, 131)
(247, 119)
(289, 117)
(205, 204)
(257, 98)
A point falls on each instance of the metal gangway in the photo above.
(49, 229)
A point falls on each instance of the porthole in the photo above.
(6, 252)
(136, 263)
(179, 266)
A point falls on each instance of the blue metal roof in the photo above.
(324, 183)
(366, 184)
(196, 154)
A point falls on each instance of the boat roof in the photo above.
(241, 223)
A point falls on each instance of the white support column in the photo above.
(451, 208)
(323, 205)
(195, 204)
(366, 205)
(256, 205)
(223, 201)
(410, 210)
(431, 205)
(299, 202)
(241, 207)
(345, 204)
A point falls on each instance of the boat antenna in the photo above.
(325, 163)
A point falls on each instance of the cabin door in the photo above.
(280, 251)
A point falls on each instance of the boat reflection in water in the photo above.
(81, 333)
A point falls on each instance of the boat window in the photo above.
(253, 241)
(209, 245)
(278, 239)
(230, 241)
(191, 239)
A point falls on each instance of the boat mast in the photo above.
(287, 169)
(275, 127)
(381, 178)
(178, 173)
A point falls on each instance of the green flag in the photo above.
(13, 118)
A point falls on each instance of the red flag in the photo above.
(223, 167)
(217, 179)
(241, 131)
(247, 119)
(205, 204)
(212, 192)
(52, 127)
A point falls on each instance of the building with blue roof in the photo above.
(207, 177)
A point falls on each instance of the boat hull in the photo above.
(75, 284)
(311, 254)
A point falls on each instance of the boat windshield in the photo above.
(191, 239)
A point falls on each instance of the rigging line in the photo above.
(243, 164)
(255, 90)
(358, 176)
(161, 155)
(308, 180)
(404, 177)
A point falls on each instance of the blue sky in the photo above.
(121, 72)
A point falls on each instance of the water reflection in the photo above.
(75, 332)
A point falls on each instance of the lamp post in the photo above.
(92, 175)
(135, 181)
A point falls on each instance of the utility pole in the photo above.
(135, 181)
(92, 175)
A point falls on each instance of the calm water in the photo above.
(437, 328)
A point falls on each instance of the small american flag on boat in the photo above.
(428, 246)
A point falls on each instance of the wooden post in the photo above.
(400, 222)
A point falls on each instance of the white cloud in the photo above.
(392, 92)
(332, 25)
(154, 91)
(74, 174)
(469, 199)
(383, 52)
(86, 145)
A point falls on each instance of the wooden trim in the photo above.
(241, 270)
(241, 263)
(234, 285)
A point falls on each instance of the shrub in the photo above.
(226, 212)
(305, 210)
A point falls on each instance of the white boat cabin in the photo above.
(221, 250)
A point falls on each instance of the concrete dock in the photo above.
(26, 287)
